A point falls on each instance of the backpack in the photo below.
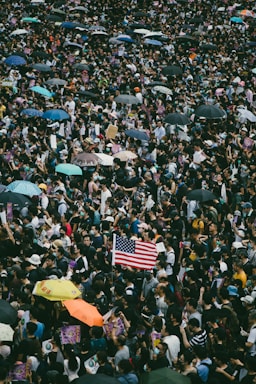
(196, 379)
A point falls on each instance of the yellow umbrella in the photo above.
(56, 290)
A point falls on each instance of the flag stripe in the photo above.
(136, 254)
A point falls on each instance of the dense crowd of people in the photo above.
(194, 312)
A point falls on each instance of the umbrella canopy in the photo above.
(6, 332)
(163, 376)
(31, 112)
(18, 32)
(201, 195)
(69, 169)
(126, 39)
(247, 13)
(155, 83)
(141, 31)
(15, 60)
(2, 188)
(186, 38)
(41, 54)
(56, 115)
(58, 11)
(41, 90)
(79, 8)
(140, 135)
(172, 70)
(153, 34)
(99, 33)
(97, 28)
(153, 42)
(210, 112)
(41, 67)
(208, 47)
(85, 159)
(177, 119)
(236, 20)
(15, 198)
(68, 25)
(81, 67)
(104, 159)
(162, 89)
(31, 20)
(125, 155)
(24, 187)
(56, 81)
(99, 378)
(56, 290)
(85, 312)
(127, 99)
(246, 114)
(54, 18)
(88, 94)
(8, 315)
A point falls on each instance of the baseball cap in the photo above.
(247, 299)
(43, 186)
(232, 290)
(237, 213)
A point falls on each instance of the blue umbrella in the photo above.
(32, 112)
(15, 60)
(153, 42)
(56, 114)
(68, 25)
(24, 187)
(237, 20)
(140, 135)
(126, 39)
(69, 169)
(42, 91)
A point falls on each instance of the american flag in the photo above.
(133, 253)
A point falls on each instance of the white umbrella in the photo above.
(19, 32)
(254, 71)
(6, 332)
(141, 31)
(125, 155)
(105, 160)
(153, 33)
(162, 89)
(248, 115)
(98, 33)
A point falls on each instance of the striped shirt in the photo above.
(199, 338)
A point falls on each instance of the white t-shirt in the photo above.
(104, 196)
(252, 339)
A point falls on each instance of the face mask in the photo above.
(156, 351)
(92, 232)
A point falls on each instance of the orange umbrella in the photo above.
(84, 312)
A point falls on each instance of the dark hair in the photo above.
(31, 328)
(194, 322)
(125, 366)
(72, 361)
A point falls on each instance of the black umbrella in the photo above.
(14, 198)
(8, 315)
(172, 70)
(208, 47)
(177, 119)
(99, 378)
(186, 39)
(88, 94)
(41, 54)
(210, 112)
(196, 20)
(127, 99)
(141, 14)
(163, 376)
(136, 134)
(139, 25)
(201, 195)
(156, 83)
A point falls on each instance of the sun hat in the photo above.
(34, 259)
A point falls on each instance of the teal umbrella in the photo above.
(30, 20)
(42, 91)
(69, 169)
